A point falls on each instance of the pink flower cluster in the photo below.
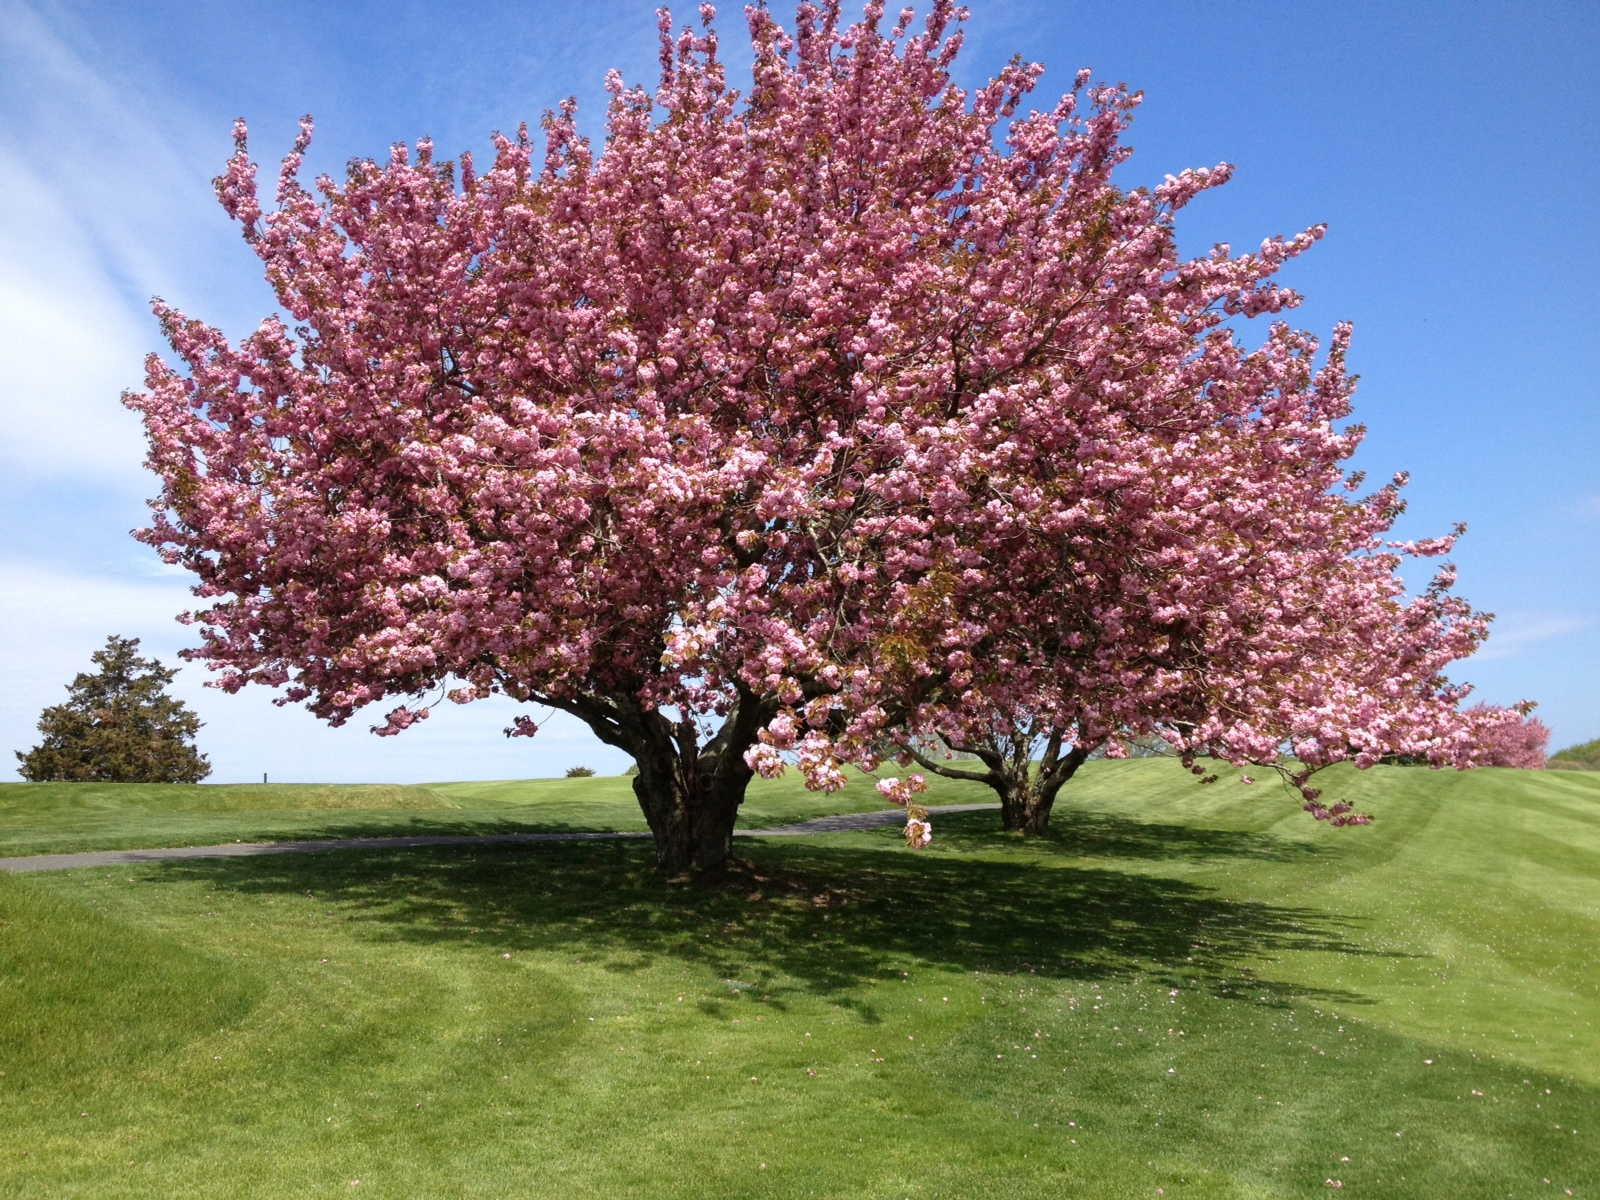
(900, 791)
(792, 426)
(919, 830)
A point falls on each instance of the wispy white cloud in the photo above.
(68, 343)
(122, 161)
(1515, 633)
(99, 210)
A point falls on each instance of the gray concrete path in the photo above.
(844, 823)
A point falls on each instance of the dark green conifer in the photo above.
(118, 726)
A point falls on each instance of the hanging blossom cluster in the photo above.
(919, 830)
(791, 426)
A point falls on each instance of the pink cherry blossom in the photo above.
(1510, 737)
(918, 833)
(900, 792)
(839, 420)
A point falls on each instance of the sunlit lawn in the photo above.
(54, 818)
(1191, 989)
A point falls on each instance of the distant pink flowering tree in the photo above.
(791, 424)
(1297, 649)
(1510, 737)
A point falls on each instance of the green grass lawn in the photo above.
(57, 818)
(1197, 990)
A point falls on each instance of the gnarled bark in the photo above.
(1027, 795)
(689, 793)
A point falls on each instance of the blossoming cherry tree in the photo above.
(853, 405)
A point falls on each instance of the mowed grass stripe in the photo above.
(838, 823)
(1196, 989)
(72, 818)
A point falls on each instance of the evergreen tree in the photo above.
(118, 726)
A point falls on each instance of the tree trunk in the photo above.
(689, 794)
(1025, 801)
(1027, 794)
(692, 811)
(666, 805)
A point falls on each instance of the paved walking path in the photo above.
(843, 823)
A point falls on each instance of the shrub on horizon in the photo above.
(1585, 756)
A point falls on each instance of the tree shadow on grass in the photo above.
(1089, 834)
(803, 917)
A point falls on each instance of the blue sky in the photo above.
(1451, 148)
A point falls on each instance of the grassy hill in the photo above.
(54, 818)
(1584, 757)
(1197, 990)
